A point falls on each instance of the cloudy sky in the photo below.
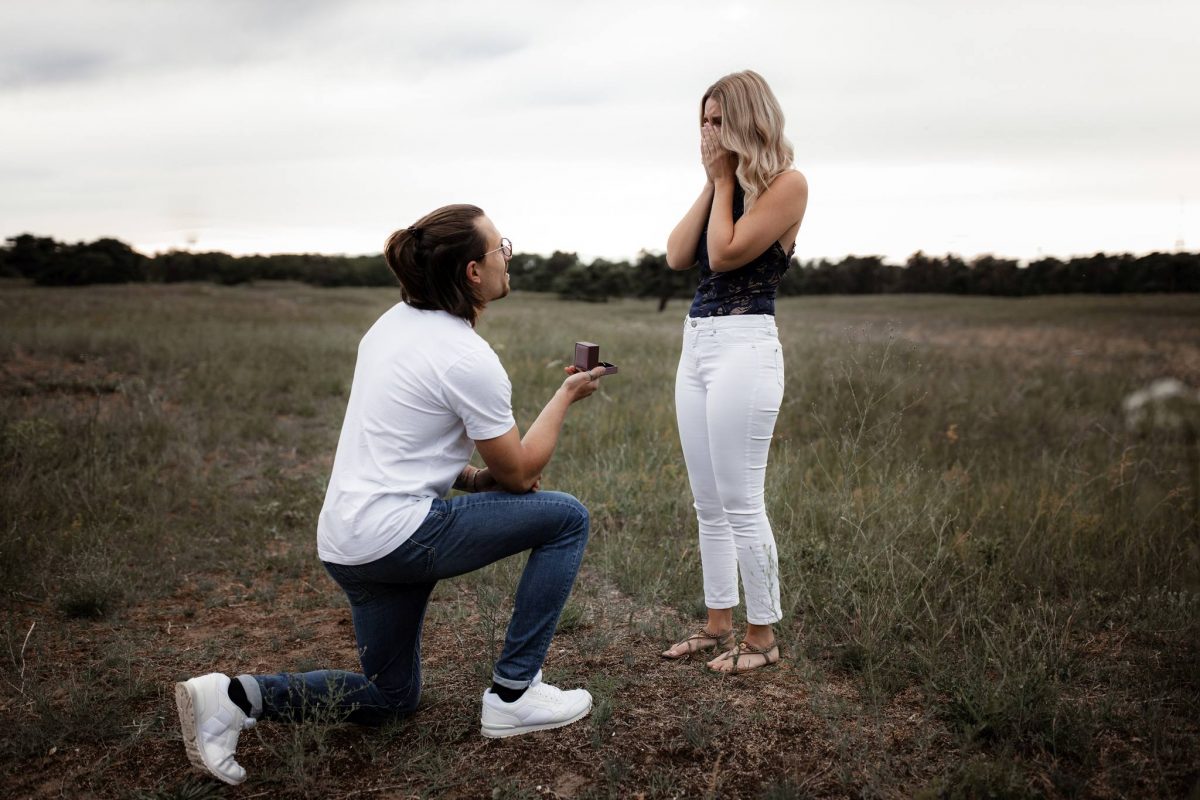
(1018, 128)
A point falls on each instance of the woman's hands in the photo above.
(719, 164)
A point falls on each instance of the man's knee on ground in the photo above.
(400, 703)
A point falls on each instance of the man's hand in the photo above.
(484, 482)
(579, 385)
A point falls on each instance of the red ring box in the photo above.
(587, 357)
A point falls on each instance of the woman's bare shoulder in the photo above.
(791, 180)
(788, 189)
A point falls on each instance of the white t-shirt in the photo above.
(426, 385)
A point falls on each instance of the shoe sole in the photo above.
(187, 725)
(504, 733)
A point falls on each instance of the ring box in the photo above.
(587, 357)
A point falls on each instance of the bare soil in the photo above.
(658, 729)
(661, 726)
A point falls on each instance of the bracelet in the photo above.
(475, 481)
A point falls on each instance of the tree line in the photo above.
(48, 262)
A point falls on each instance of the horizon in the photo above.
(802, 261)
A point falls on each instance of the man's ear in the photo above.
(473, 272)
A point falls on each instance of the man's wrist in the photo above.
(466, 480)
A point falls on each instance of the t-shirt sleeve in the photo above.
(477, 389)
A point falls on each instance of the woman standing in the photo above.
(741, 231)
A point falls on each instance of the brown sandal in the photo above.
(704, 641)
(770, 657)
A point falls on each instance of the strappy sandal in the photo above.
(745, 650)
(700, 642)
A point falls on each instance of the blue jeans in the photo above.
(388, 598)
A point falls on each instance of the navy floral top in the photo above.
(745, 290)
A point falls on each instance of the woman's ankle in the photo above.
(760, 635)
(720, 621)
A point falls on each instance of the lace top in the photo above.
(746, 290)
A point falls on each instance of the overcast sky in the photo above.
(1017, 128)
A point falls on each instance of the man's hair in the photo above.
(751, 128)
(429, 259)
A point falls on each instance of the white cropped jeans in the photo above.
(727, 395)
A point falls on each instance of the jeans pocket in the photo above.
(779, 376)
(418, 559)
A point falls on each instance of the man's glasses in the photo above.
(505, 248)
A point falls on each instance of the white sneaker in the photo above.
(211, 723)
(541, 707)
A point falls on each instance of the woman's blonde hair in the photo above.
(752, 129)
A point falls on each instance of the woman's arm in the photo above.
(777, 210)
(682, 243)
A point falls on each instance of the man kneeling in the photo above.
(427, 390)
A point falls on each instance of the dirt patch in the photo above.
(23, 373)
(658, 728)
(85, 384)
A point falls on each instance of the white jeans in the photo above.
(727, 395)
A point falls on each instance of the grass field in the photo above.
(991, 582)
